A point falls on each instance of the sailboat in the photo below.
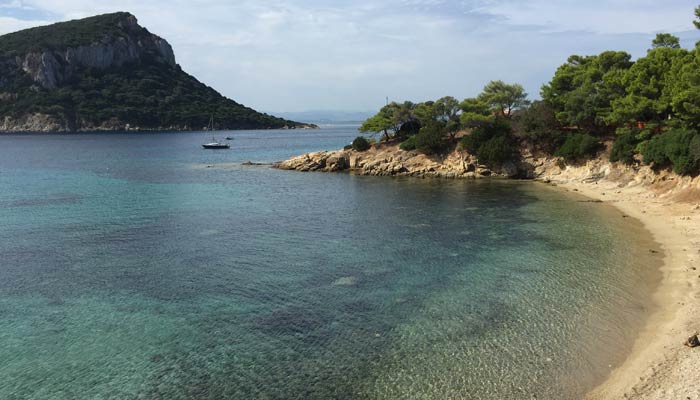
(215, 144)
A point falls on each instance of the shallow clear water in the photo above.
(139, 266)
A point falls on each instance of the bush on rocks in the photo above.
(360, 144)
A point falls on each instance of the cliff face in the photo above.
(51, 68)
(108, 73)
(131, 43)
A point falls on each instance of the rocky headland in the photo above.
(107, 73)
(390, 160)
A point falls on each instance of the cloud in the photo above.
(291, 55)
(608, 17)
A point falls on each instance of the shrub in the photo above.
(484, 133)
(678, 148)
(408, 129)
(694, 150)
(625, 146)
(360, 144)
(496, 151)
(408, 144)
(539, 125)
(492, 143)
(578, 147)
(430, 139)
(475, 139)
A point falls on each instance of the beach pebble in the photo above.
(693, 341)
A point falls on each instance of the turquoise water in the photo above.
(143, 267)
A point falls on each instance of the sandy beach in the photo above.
(659, 366)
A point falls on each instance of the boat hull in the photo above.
(216, 146)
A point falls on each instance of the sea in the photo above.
(142, 266)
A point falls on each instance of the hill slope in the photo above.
(108, 73)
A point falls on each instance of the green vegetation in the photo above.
(147, 93)
(625, 146)
(578, 147)
(538, 125)
(504, 98)
(408, 144)
(360, 144)
(666, 40)
(677, 148)
(583, 89)
(65, 34)
(430, 139)
(492, 143)
(649, 108)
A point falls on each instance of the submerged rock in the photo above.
(345, 281)
(250, 163)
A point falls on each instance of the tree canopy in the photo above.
(648, 88)
(504, 98)
(650, 107)
(583, 89)
(666, 40)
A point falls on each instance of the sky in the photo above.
(298, 55)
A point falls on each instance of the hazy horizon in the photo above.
(294, 56)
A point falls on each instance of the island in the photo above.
(108, 73)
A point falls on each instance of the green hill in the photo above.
(108, 73)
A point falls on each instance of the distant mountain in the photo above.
(327, 116)
(108, 73)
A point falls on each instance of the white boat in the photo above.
(215, 144)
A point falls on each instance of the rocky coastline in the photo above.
(43, 123)
(390, 160)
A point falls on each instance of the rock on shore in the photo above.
(390, 160)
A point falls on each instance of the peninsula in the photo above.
(108, 73)
(619, 131)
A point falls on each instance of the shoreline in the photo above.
(144, 130)
(659, 366)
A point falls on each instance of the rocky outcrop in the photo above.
(600, 170)
(390, 160)
(50, 68)
(39, 122)
(32, 123)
